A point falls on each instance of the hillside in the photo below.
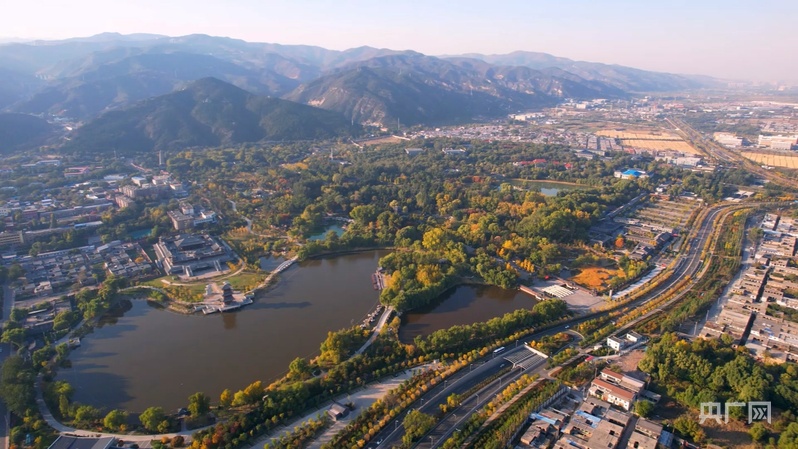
(207, 113)
(101, 83)
(21, 131)
(625, 78)
(422, 89)
(81, 78)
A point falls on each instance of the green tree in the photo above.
(199, 404)
(644, 408)
(226, 398)
(758, 432)
(115, 419)
(416, 424)
(16, 384)
(14, 336)
(151, 418)
(299, 368)
(789, 438)
(86, 414)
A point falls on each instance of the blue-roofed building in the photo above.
(630, 174)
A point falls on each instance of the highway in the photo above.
(727, 156)
(460, 382)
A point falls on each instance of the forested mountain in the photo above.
(80, 79)
(94, 89)
(422, 89)
(22, 131)
(209, 112)
(621, 77)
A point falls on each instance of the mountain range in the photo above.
(206, 113)
(86, 79)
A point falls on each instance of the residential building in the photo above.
(616, 343)
(613, 394)
(11, 238)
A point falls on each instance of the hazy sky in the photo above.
(747, 39)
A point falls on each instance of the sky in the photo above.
(733, 39)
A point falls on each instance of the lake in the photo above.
(153, 357)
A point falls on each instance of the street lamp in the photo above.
(396, 424)
(431, 441)
(445, 383)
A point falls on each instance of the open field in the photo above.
(775, 160)
(593, 277)
(381, 140)
(638, 135)
(650, 140)
(660, 145)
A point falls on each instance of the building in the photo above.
(337, 411)
(778, 142)
(630, 174)
(70, 442)
(192, 255)
(11, 238)
(614, 394)
(616, 343)
(728, 139)
(623, 380)
(188, 217)
(634, 337)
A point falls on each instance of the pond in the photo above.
(547, 188)
(465, 304)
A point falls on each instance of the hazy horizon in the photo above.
(730, 39)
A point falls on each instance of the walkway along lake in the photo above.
(153, 357)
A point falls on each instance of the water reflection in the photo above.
(462, 305)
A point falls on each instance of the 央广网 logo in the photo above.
(757, 411)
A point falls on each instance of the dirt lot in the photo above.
(381, 140)
(593, 277)
(628, 362)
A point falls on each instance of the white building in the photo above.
(616, 343)
(778, 142)
(728, 139)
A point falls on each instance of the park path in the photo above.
(52, 422)
(363, 399)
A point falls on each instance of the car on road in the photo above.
(567, 326)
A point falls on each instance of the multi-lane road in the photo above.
(689, 265)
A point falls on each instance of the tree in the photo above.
(226, 398)
(199, 404)
(15, 336)
(620, 242)
(152, 418)
(16, 384)
(758, 432)
(115, 419)
(299, 368)
(416, 425)
(789, 438)
(86, 414)
(643, 408)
